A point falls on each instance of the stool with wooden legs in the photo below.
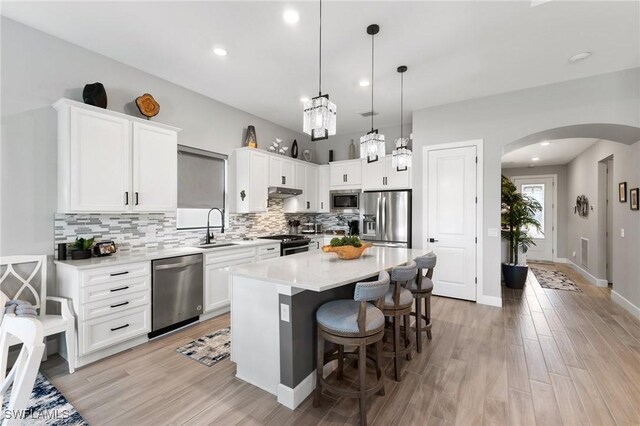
(353, 323)
(421, 289)
(397, 306)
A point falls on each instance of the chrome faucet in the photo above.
(209, 237)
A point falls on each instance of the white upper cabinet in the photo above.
(312, 189)
(155, 169)
(346, 174)
(381, 175)
(323, 189)
(105, 157)
(248, 181)
(281, 172)
(306, 178)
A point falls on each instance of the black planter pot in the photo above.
(81, 254)
(514, 275)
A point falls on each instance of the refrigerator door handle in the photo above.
(379, 218)
(384, 218)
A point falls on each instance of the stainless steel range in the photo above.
(290, 244)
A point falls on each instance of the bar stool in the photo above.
(421, 289)
(397, 305)
(357, 323)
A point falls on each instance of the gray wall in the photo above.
(563, 206)
(583, 178)
(502, 119)
(340, 143)
(37, 70)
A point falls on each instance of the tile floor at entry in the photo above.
(549, 357)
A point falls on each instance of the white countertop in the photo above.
(148, 255)
(319, 271)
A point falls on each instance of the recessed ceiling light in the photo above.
(219, 51)
(364, 83)
(545, 143)
(535, 159)
(290, 16)
(304, 99)
(579, 57)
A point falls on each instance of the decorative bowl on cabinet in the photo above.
(347, 252)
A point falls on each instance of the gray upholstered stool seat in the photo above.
(341, 316)
(353, 323)
(427, 285)
(397, 307)
(421, 288)
(406, 298)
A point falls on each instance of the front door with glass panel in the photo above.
(542, 189)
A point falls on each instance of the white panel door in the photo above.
(100, 162)
(542, 189)
(451, 223)
(155, 169)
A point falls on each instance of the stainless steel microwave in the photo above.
(345, 201)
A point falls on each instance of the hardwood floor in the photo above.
(548, 357)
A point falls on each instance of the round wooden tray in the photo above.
(347, 252)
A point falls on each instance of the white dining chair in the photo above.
(25, 278)
(21, 378)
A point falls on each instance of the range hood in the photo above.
(280, 192)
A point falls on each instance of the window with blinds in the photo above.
(202, 180)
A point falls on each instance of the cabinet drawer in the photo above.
(115, 288)
(116, 304)
(270, 249)
(228, 255)
(112, 329)
(270, 255)
(113, 273)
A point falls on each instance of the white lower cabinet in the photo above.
(106, 331)
(316, 243)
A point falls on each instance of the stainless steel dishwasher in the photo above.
(176, 292)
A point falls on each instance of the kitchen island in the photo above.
(273, 306)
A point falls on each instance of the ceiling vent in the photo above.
(368, 113)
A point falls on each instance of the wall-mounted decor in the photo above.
(622, 192)
(251, 140)
(294, 149)
(94, 94)
(582, 206)
(147, 105)
(633, 196)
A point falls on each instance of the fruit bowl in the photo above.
(347, 252)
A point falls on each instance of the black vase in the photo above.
(294, 149)
(94, 94)
(515, 276)
(81, 254)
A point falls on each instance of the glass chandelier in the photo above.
(401, 159)
(319, 114)
(372, 144)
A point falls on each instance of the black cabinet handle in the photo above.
(115, 274)
(308, 205)
(322, 204)
(136, 198)
(118, 328)
(119, 304)
(283, 180)
(433, 240)
(119, 289)
(126, 198)
(272, 248)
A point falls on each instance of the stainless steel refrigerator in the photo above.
(386, 218)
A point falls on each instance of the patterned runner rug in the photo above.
(554, 280)
(47, 406)
(209, 349)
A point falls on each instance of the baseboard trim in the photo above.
(626, 304)
(560, 260)
(593, 280)
(291, 398)
(490, 300)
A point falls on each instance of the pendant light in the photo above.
(401, 159)
(372, 144)
(319, 114)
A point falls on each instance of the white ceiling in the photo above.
(454, 50)
(558, 152)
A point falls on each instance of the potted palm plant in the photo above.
(518, 217)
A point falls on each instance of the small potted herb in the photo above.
(81, 248)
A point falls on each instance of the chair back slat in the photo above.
(25, 278)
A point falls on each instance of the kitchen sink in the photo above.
(215, 245)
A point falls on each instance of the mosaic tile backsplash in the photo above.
(136, 232)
